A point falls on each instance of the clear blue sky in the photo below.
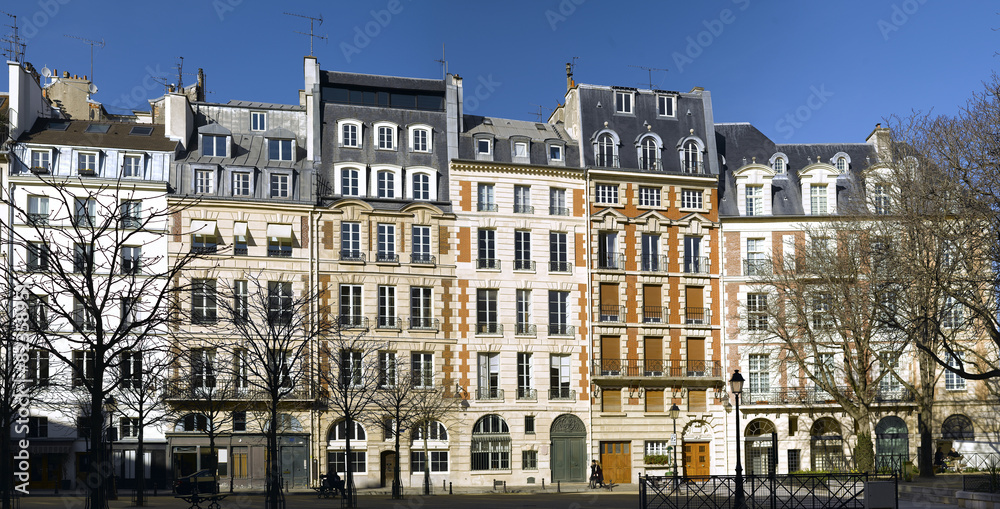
(840, 67)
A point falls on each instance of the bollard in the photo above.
(449, 489)
(558, 486)
(543, 483)
(505, 486)
(443, 484)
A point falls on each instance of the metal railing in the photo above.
(693, 167)
(697, 265)
(560, 329)
(487, 207)
(611, 313)
(561, 393)
(489, 328)
(606, 161)
(382, 257)
(557, 266)
(38, 219)
(348, 255)
(388, 322)
(523, 209)
(352, 321)
(205, 249)
(240, 251)
(558, 211)
(423, 259)
(654, 263)
(806, 491)
(524, 264)
(131, 222)
(756, 268)
(488, 263)
(277, 252)
(611, 261)
(527, 394)
(697, 316)
(657, 368)
(525, 329)
(655, 314)
(817, 395)
(489, 394)
(424, 323)
(650, 164)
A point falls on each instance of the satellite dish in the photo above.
(46, 72)
(92, 88)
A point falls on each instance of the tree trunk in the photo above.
(427, 461)
(348, 473)
(96, 479)
(140, 471)
(397, 483)
(273, 488)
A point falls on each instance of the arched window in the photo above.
(692, 157)
(957, 427)
(779, 165)
(338, 432)
(760, 455)
(421, 186)
(491, 444)
(192, 422)
(892, 444)
(649, 159)
(841, 164)
(435, 432)
(606, 155)
(386, 184)
(336, 457)
(827, 446)
(350, 182)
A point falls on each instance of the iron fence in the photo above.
(817, 491)
(981, 483)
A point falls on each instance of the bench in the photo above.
(195, 499)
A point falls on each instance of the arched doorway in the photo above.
(827, 446)
(958, 427)
(569, 448)
(892, 445)
(762, 458)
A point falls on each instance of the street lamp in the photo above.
(674, 413)
(736, 384)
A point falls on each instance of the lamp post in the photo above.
(736, 384)
(674, 413)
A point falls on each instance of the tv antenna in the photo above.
(312, 35)
(443, 62)
(650, 71)
(540, 112)
(92, 43)
(15, 47)
(572, 64)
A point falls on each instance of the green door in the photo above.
(569, 449)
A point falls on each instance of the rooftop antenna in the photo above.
(312, 35)
(539, 113)
(92, 43)
(443, 62)
(650, 71)
(572, 65)
(14, 46)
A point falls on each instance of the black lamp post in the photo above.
(736, 384)
(674, 413)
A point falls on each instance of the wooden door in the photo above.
(696, 456)
(616, 462)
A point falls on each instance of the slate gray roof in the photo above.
(381, 82)
(506, 128)
(263, 106)
(248, 150)
(503, 129)
(117, 136)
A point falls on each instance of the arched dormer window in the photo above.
(351, 180)
(388, 183)
(422, 183)
(691, 150)
(779, 163)
(841, 161)
(606, 151)
(649, 147)
(753, 187)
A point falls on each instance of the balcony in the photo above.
(527, 394)
(520, 208)
(657, 368)
(654, 263)
(697, 265)
(489, 394)
(560, 329)
(611, 314)
(698, 316)
(556, 266)
(84, 221)
(487, 207)
(756, 268)
(558, 211)
(349, 255)
(388, 322)
(816, 395)
(655, 314)
(528, 265)
(423, 259)
(488, 263)
(417, 323)
(204, 249)
(278, 252)
(610, 261)
(352, 321)
(489, 328)
(649, 164)
(525, 329)
(383, 257)
(240, 250)
(606, 161)
(696, 167)
(38, 219)
(562, 394)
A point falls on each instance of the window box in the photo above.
(39, 170)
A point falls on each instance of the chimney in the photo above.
(200, 94)
(569, 75)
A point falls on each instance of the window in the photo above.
(386, 138)
(37, 374)
(203, 304)
(350, 182)
(519, 152)
(756, 258)
(350, 242)
(84, 211)
(953, 382)
(258, 121)
(38, 256)
(529, 460)
(559, 253)
(842, 164)
(241, 183)
(279, 365)
(757, 311)
(422, 369)
(38, 312)
(523, 325)
(760, 376)
(387, 308)
(241, 300)
(203, 182)
(779, 165)
(880, 198)
(386, 243)
(694, 263)
(350, 306)
(422, 245)
(487, 199)
(204, 242)
(131, 213)
(611, 400)
(951, 314)
(420, 308)
(821, 318)
(486, 312)
(83, 367)
(607, 151)
(489, 376)
(387, 369)
(83, 319)
(38, 210)
(241, 369)
(559, 382)
(483, 147)
(559, 313)
(490, 444)
(487, 250)
(623, 102)
(86, 162)
(817, 199)
(649, 196)
(213, 146)
(754, 200)
(349, 135)
(691, 199)
(555, 153)
(651, 253)
(279, 302)
(658, 448)
(132, 166)
(665, 105)
(439, 461)
(129, 311)
(522, 250)
(421, 186)
(418, 140)
(522, 200)
(38, 427)
(386, 184)
(40, 159)
(350, 370)
(131, 370)
(279, 185)
(654, 401)
(529, 424)
(191, 422)
(239, 422)
(557, 202)
(607, 193)
(890, 386)
(649, 154)
(525, 385)
(692, 157)
(83, 258)
(337, 462)
(607, 251)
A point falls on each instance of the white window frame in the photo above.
(201, 184)
(753, 199)
(557, 201)
(953, 382)
(692, 199)
(361, 181)
(480, 143)
(816, 207)
(356, 134)
(649, 196)
(249, 183)
(414, 132)
(135, 170)
(624, 102)
(385, 136)
(560, 157)
(522, 157)
(422, 367)
(425, 193)
(258, 120)
(276, 178)
(36, 163)
(88, 160)
(606, 193)
(664, 100)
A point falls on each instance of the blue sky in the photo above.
(800, 70)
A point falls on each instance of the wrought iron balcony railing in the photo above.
(520, 208)
(698, 316)
(654, 263)
(388, 322)
(525, 329)
(524, 264)
(350, 255)
(488, 263)
(638, 368)
(611, 261)
(423, 323)
(489, 394)
(527, 394)
(384, 257)
(611, 313)
(558, 211)
(352, 321)
(655, 314)
(557, 266)
(423, 259)
(697, 265)
(560, 329)
(489, 328)
(562, 393)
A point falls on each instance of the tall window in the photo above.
(665, 106)
(203, 304)
(691, 199)
(204, 182)
(132, 166)
(203, 368)
(84, 211)
(421, 186)
(241, 368)
(842, 164)
(952, 381)
(38, 312)
(559, 313)
(131, 370)
(692, 157)
(490, 444)
(649, 196)
(351, 370)
(489, 376)
(280, 185)
(420, 308)
(386, 369)
(419, 141)
(623, 102)
(279, 150)
(241, 300)
(128, 310)
(38, 210)
(487, 249)
(951, 314)
(523, 304)
(350, 305)
(880, 198)
(607, 250)
(525, 385)
(422, 369)
(486, 312)
(759, 372)
(387, 307)
(386, 138)
(558, 252)
(487, 199)
(386, 184)
(241, 183)
(350, 182)
(386, 243)
(83, 367)
(559, 382)
(422, 244)
(817, 199)
(38, 256)
(37, 374)
(350, 242)
(607, 193)
(649, 155)
(258, 120)
(756, 259)
(650, 252)
(821, 318)
(756, 311)
(83, 319)
(779, 165)
(755, 200)
(349, 135)
(522, 200)
(825, 368)
(279, 302)
(557, 202)
(131, 213)
(522, 250)
(606, 155)
(83, 258)
(693, 262)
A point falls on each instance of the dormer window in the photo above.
(665, 105)
(258, 120)
(350, 134)
(280, 150)
(649, 154)
(880, 198)
(841, 164)
(420, 138)
(132, 166)
(41, 160)
(555, 153)
(817, 199)
(385, 136)
(86, 163)
(607, 151)
(692, 157)
(779, 165)
(519, 151)
(623, 102)
(754, 200)
(214, 146)
(484, 149)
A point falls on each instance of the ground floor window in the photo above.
(418, 461)
(491, 453)
(336, 462)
